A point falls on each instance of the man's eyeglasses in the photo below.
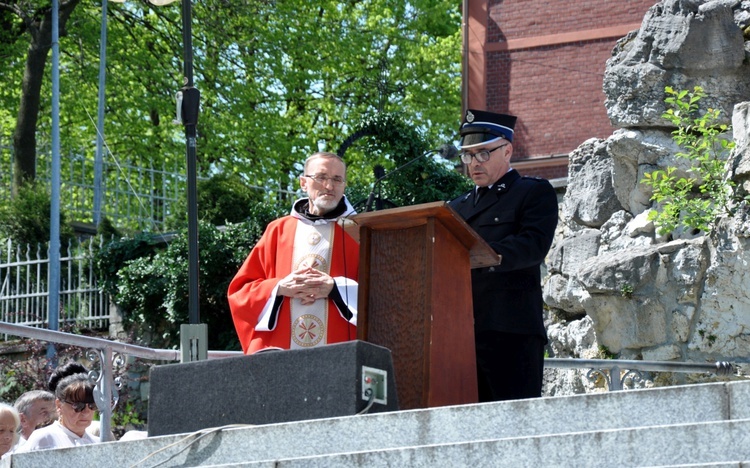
(323, 179)
(482, 156)
(79, 406)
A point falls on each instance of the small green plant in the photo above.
(605, 353)
(127, 415)
(626, 290)
(693, 201)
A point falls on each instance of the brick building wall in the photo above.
(544, 62)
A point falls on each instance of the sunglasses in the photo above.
(79, 406)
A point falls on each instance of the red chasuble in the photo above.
(258, 319)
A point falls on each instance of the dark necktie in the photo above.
(481, 191)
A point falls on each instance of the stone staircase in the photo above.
(705, 425)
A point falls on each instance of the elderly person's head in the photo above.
(75, 402)
(36, 408)
(324, 181)
(9, 425)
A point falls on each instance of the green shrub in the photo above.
(698, 199)
(26, 217)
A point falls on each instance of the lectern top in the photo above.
(482, 255)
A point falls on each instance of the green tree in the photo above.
(32, 19)
(26, 218)
(278, 80)
(223, 198)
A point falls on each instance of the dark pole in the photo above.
(190, 108)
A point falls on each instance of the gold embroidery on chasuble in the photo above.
(312, 248)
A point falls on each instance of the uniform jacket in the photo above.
(517, 218)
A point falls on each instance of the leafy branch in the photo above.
(695, 200)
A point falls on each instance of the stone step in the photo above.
(462, 426)
(711, 444)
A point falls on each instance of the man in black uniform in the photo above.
(517, 216)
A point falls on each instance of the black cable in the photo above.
(371, 400)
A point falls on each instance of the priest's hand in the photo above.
(306, 284)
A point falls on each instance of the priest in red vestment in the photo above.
(298, 287)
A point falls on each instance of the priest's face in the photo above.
(324, 181)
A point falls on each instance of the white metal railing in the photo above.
(134, 194)
(24, 285)
(108, 356)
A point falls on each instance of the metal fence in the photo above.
(135, 194)
(24, 285)
(108, 357)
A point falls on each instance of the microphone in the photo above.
(446, 151)
(379, 172)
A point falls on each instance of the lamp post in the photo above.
(193, 336)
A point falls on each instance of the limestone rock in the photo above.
(590, 199)
(613, 282)
(680, 44)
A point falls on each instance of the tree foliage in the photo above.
(278, 80)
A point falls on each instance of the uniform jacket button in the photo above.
(491, 269)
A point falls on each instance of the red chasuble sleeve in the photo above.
(269, 262)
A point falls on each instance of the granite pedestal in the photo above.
(268, 387)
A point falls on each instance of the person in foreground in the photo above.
(298, 287)
(9, 426)
(36, 408)
(517, 216)
(75, 408)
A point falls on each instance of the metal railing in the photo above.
(135, 194)
(24, 285)
(108, 355)
(616, 371)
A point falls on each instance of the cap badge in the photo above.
(469, 117)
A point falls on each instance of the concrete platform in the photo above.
(701, 425)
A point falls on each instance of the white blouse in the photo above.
(55, 436)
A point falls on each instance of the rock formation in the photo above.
(616, 287)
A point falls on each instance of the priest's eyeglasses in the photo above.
(482, 156)
(323, 179)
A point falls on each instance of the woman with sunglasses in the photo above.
(75, 408)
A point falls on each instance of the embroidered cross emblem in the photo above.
(307, 331)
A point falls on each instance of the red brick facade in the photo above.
(544, 62)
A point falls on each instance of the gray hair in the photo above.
(24, 402)
(324, 155)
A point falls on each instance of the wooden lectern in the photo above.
(415, 299)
